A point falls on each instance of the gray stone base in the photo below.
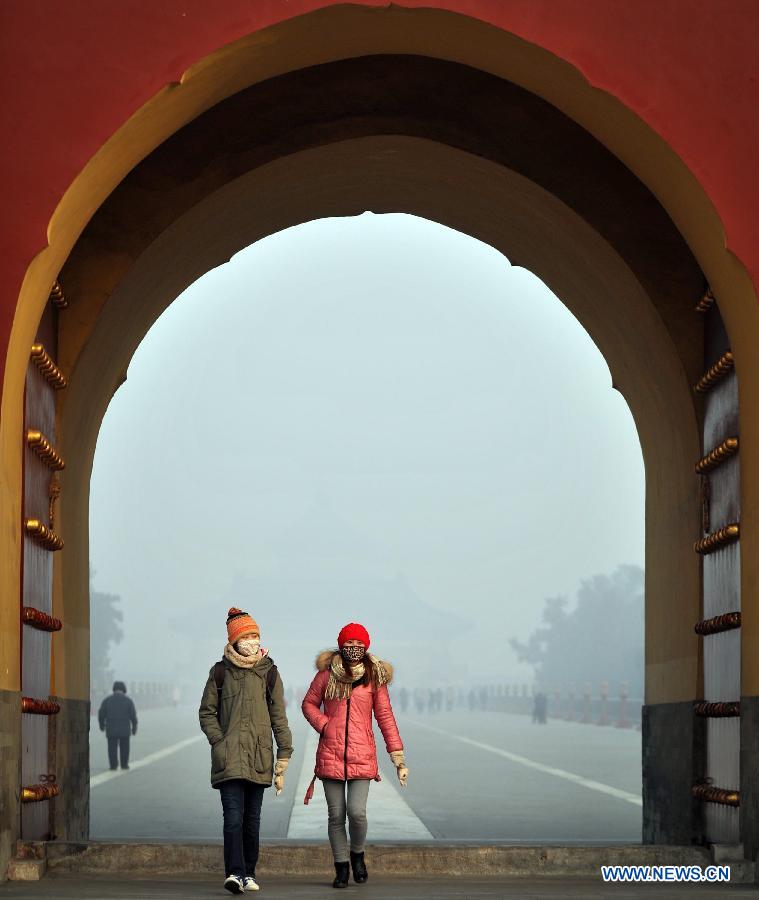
(674, 757)
(10, 776)
(750, 776)
(69, 740)
(287, 858)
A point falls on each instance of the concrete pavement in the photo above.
(482, 776)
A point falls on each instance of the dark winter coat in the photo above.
(118, 715)
(241, 737)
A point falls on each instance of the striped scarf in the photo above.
(340, 683)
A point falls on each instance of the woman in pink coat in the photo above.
(350, 685)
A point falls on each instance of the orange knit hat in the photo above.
(239, 623)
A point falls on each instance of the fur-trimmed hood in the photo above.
(324, 658)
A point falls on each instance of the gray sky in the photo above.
(373, 419)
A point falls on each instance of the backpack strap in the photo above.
(271, 680)
(219, 671)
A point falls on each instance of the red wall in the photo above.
(73, 72)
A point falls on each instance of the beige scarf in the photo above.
(243, 662)
(340, 684)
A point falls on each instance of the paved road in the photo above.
(482, 776)
(466, 789)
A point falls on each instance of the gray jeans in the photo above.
(358, 792)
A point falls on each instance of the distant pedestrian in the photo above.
(539, 708)
(118, 719)
(403, 696)
(350, 685)
(450, 698)
(243, 703)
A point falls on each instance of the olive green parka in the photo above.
(241, 737)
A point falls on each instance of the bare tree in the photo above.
(599, 639)
(105, 630)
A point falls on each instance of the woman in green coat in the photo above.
(243, 703)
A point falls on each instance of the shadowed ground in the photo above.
(125, 888)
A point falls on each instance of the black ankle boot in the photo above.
(359, 867)
(342, 871)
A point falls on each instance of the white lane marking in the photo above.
(390, 816)
(531, 764)
(103, 777)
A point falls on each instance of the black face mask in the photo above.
(353, 653)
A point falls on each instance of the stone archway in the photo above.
(601, 241)
(494, 204)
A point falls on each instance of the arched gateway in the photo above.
(444, 116)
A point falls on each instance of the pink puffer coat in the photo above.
(346, 746)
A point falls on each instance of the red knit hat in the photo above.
(239, 623)
(353, 632)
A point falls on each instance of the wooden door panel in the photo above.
(721, 587)
(37, 592)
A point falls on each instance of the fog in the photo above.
(373, 419)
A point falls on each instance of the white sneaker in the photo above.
(251, 884)
(234, 884)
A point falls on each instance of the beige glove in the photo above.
(399, 761)
(279, 775)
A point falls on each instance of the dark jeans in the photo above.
(122, 745)
(241, 801)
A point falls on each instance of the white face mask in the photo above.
(248, 646)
